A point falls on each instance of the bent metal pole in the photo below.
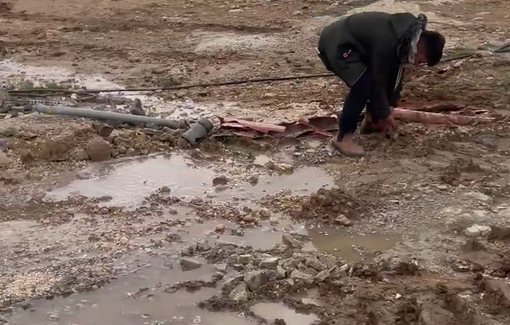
(100, 115)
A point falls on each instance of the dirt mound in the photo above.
(327, 205)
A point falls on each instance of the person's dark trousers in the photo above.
(356, 99)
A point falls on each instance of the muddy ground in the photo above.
(131, 225)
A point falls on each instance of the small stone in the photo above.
(478, 196)
(254, 280)
(82, 174)
(239, 293)
(54, 317)
(321, 276)
(315, 264)
(220, 180)
(136, 108)
(203, 246)
(253, 180)
(302, 276)
(130, 152)
(188, 264)
(281, 272)
(98, 150)
(273, 221)
(290, 241)
(269, 263)
(264, 214)
(343, 221)
(237, 232)
(220, 229)
(244, 259)
(81, 155)
(4, 160)
(26, 305)
(222, 267)
(477, 230)
(165, 189)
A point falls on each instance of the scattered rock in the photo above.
(254, 280)
(188, 264)
(274, 221)
(315, 264)
(301, 276)
(264, 214)
(98, 150)
(81, 155)
(165, 189)
(290, 241)
(4, 160)
(220, 229)
(82, 174)
(136, 108)
(244, 259)
(478, 196)
(253, 180)
(323, 275)
(54, 317)
(343, 221)
(12, 177)
(130, 152)
(220, 180)
(237, 232)
(477, 230)
(222, 267)
(269, 263)
(239, 293)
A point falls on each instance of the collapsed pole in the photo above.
(106, 116)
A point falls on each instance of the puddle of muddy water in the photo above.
(272, 311)
(45, 76)
(350, 246)
(129, 182)
(131, 300)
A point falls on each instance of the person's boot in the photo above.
(347, 146)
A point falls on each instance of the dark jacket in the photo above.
(375, 41)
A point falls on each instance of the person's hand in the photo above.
(388, 123)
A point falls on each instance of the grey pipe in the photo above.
(109, 116)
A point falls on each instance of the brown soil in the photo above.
(431, 186)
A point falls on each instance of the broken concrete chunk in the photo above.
(290, 241)
(221, 267)
(188, 264)
(477, 230)
(269, 263)
(239, 293)
(244, 259)
(254, 280)
(343, 221)
(321, 276)
(301, 276)
(315, 264)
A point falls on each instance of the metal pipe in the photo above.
(109, 116)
